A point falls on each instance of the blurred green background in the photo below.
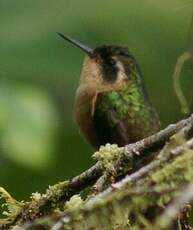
(39, 141)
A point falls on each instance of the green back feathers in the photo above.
(132, 108)
(120, 101)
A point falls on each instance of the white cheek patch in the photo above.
(121, 72)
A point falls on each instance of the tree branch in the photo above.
(56, 195)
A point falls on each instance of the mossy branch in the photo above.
(131, 181)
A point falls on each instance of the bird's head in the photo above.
(107, 67)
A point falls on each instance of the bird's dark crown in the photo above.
(108, 56)
(106, 51)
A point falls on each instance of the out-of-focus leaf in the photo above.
(27, 124)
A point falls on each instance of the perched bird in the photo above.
(111, 103)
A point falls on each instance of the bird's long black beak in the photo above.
(86, 49)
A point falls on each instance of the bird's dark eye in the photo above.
(111, 62)
(124, 53)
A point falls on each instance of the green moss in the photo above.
(108, 154)
(36, 197)
(74, 203)
(55, 192)
(178, 171)
(14, 207)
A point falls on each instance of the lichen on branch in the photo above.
(128, 200)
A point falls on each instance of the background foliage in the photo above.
(40, 143)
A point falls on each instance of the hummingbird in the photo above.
(111, 102)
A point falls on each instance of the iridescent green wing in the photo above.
(110, 122)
